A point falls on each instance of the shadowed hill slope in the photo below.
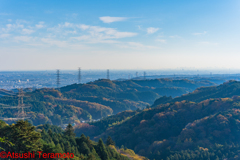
(227, 89)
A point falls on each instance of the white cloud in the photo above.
(101, 34)
(40, 25)
(95, 32)
(152, 30)
(23, 38)
(11, 27)
(161, 40)
(83, 26)
(108, 19)
(27, 31)
(80, 38)
(199, 34)
(4, 35)
(66, 25)
(71, 32)
(109, 33)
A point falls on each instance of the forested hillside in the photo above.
(199, 129)
(95, 100)
(209, 129)
(225, 90)
(23, 138)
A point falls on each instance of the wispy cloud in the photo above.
(108, 19)
(23, 38)
(200, 33)
(4, 35)
(105, 33)
(40, 25)
(27, 31)
(10, 27)
(68, 35)
(89, 32)
(152, 30)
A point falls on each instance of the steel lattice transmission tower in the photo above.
(58, 78)
(21, 113)
(136, 74)
(108, 74)
(79, 75)
(144, 75)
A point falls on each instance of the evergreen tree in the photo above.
(102, 152)
(67, 147)
(45, 136)
(69, 131)
(110, 141)
(50, 133)
(58, 149)
(84, 149)
(24, 136)
(4, 141)
(91, 157)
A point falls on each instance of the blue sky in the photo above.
(135, 34)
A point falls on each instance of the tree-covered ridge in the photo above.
(26, 139)
(93, 129)
(182, 130)
(225, 90)
(95, 100)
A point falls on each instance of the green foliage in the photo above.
(24, 136)
(26, 139)
(4, 141)
(96, 99)
(110, 141)
(101, 150)
(69, 131)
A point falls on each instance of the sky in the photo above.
(126, 34)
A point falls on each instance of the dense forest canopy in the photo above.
(204, 129)
(94, 100)
(25, 138)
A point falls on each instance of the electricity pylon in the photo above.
(21, 113)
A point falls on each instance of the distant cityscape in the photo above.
(10, 80)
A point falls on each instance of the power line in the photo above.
(21, 113)
(7, 92)
(3, 95)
